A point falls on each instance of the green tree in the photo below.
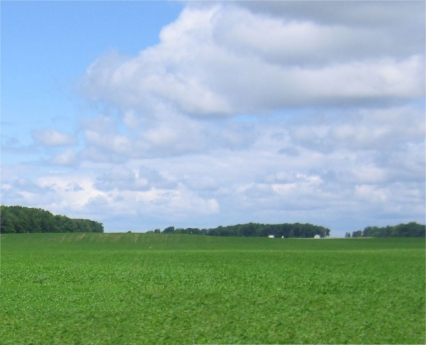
(357, 233)
(6, 223)
(25, 219)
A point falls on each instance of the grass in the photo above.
(188, 289)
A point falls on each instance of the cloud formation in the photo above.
(226, 60)
(51, 137)
(252, 111)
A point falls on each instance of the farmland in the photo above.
(78, 288)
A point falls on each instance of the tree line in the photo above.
(19, 219)
(286, 230)
(411, 229)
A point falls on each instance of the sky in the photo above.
(143, 115)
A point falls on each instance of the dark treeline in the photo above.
(18, 219)
(255, 230)
(401, 230)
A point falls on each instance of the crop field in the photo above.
(134, 288)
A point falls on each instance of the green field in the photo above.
(189, 289)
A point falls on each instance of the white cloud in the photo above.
(303, 41)
(51, 137)
(66, 158)
(210, 64)
(251, 111)
(395, 15)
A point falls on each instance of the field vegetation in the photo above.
(94, 288)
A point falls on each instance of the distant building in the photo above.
(271, 236)
(317, 236)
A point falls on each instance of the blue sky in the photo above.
(143, 115)
(47, 46)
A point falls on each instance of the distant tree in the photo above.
(357, 233)
(6, 222)
(193, 231)
(411, 229)
(256, 229)
(348, 234)
(20, 219)
(249, 230)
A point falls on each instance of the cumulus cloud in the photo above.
(209, 64)
(252, 111)
(123, 178)
(368, 14)
(365, 129)
(51, 137)
(65, 158)
(170, 134)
